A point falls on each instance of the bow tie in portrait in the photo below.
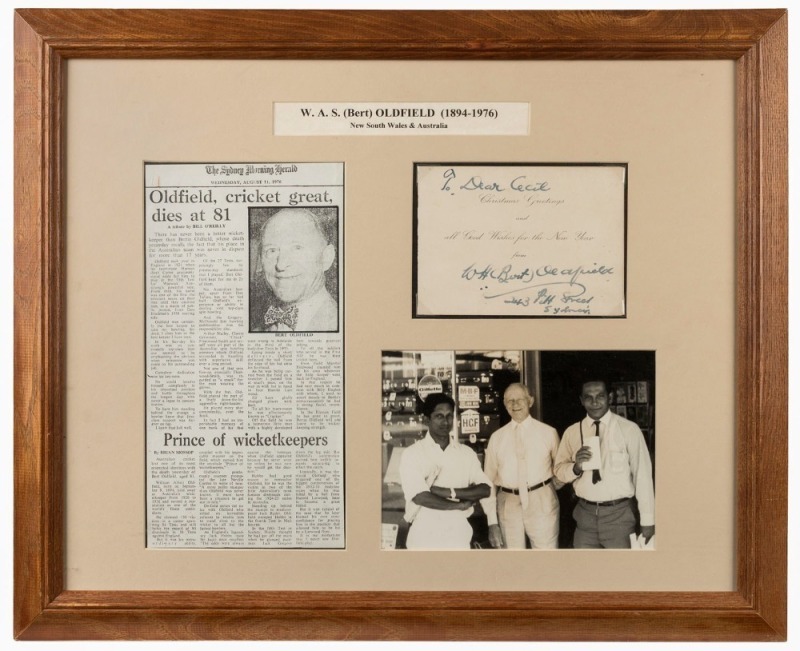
(278, 315)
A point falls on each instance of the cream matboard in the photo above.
(672, 122)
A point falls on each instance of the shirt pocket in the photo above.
(619, 460)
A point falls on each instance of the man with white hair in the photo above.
(519, 463)
(295, 254)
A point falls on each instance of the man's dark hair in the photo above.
(595, 381)
(433, 400)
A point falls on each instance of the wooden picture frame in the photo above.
(755, 39)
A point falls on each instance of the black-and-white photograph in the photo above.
(517, 449)
(294, 269)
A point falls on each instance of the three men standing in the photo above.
(524, 465)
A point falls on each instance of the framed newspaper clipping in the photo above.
(238, 231)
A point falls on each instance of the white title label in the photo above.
(401, 119)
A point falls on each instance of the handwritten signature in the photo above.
(571, 303)
(508, 274)
(555, 290)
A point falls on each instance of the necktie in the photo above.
(277, 315)
(596, 472)
(522, 466)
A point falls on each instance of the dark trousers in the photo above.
(603, 527)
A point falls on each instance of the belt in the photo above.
(609, 503)
(515, 491)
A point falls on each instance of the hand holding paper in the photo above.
(593, 444)
(638, 543)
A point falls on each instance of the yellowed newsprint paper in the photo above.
(244, 355)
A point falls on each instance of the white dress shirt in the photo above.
(500, 466)
(625, 467)
(425, 464)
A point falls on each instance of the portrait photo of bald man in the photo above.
(294, 269)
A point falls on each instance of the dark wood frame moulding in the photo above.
(755, 39)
